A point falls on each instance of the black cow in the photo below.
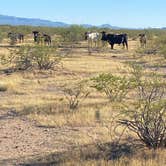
(115, 39)
(41, 37)
(16, 36)
(35, 34)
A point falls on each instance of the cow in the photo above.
(35, 35)
(142, 39)
(47, 39)
(115, 39)
(20, 37)
(40, 38)
(16, 36)
(92, 37)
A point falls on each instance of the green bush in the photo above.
(3, 87)
(73, 33)
(115, 87)
(155, 46)
(26, 57)
(146, 117)
(161, 44)
(76, 94)
(2, 36)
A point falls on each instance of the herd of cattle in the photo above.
(112, 39)
(38, 37)
(91, 37)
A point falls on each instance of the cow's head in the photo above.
(141, 35)
(104, 36)
(35, 32)
(86, 35)
(9, 34)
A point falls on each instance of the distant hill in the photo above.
(12, 20)
(109, 26)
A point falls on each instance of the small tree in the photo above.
(13, 40)
(2, 36)
(73, 33)
(147, 117)
(41, 57)
(115, 87)
(162, 48)
(45, 57)
(76, 94)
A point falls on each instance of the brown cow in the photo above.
(41, 38)
(142, 39)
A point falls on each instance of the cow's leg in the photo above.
(112, 46)
(22, 39)
(126, 45)
(123, 45)
(98, 44)
(89, 46)
(95, 43)
(103, 43)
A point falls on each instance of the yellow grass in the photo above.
(39, 96)
(160, 160)
(35, 88)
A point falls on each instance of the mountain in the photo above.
(11, 20)
(109, 26)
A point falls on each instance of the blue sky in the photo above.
(123, 13)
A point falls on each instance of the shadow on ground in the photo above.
(105, 151)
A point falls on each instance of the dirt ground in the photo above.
(21, 138)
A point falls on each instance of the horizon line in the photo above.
(95, 25)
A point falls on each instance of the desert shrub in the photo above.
(115, 87)
(73, 33)
(75, 94)
(3, 87)
(45, 57)
(155, 46)
(161, 44)
(40, 57)
(147, 116)
(163, 51)
(12, 39)
(2, 36)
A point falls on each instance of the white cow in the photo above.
(92, 37)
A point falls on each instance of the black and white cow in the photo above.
(115, 39)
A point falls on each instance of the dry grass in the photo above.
(39, 96)
(44, 89)
(146, 160)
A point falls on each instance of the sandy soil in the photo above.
(21, 139)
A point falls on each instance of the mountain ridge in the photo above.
(16, 21)
(13, 20)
